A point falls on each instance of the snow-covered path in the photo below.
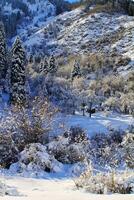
(40, 189)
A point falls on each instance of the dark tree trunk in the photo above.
(83, 111)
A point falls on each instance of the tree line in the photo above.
(127, 5)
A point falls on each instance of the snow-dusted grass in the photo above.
(33, 189)
(94, 181)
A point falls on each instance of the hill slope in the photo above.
(76, 33)
(26, 15)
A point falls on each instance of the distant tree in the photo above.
(131, 8)
(83, 108)
(52, 65)
(61, 6)
(74, 106)
(89, 110)
(37, 59)
(31, 58)
(76, 70)
(40, 68)
(18, 75)
(46, 66)
(3, 52)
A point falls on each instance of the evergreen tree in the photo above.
(18, 75)
(31, 58)
(76, 70)
(40, 68)
(3, 59)
(46, 66)
(52, 65)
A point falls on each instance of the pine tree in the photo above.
(3, 59)
(46, 66)
(18, 75)
(76, 70)
(52, 65)
(31, 58)
(40, 68)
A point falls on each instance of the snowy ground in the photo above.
(60, 186)
(99, 123)
(33, 189)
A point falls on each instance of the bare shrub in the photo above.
(77, 135)
(22, 126)
(106, 149)
(34, 123)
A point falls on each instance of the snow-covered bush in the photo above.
(77, 134)
(8, 150)
(128, 148)
(116, 136)
(34, 123)
(114, 149)
(19, 127)
(98, 182)
(76, 153)
(35, 159)
(71, 148)
(58, 148)
(106, 150)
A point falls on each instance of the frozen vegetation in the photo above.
(66, 100)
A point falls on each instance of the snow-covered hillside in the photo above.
(28, 16)
(35, 8)
(77, 32)
(40, 11)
